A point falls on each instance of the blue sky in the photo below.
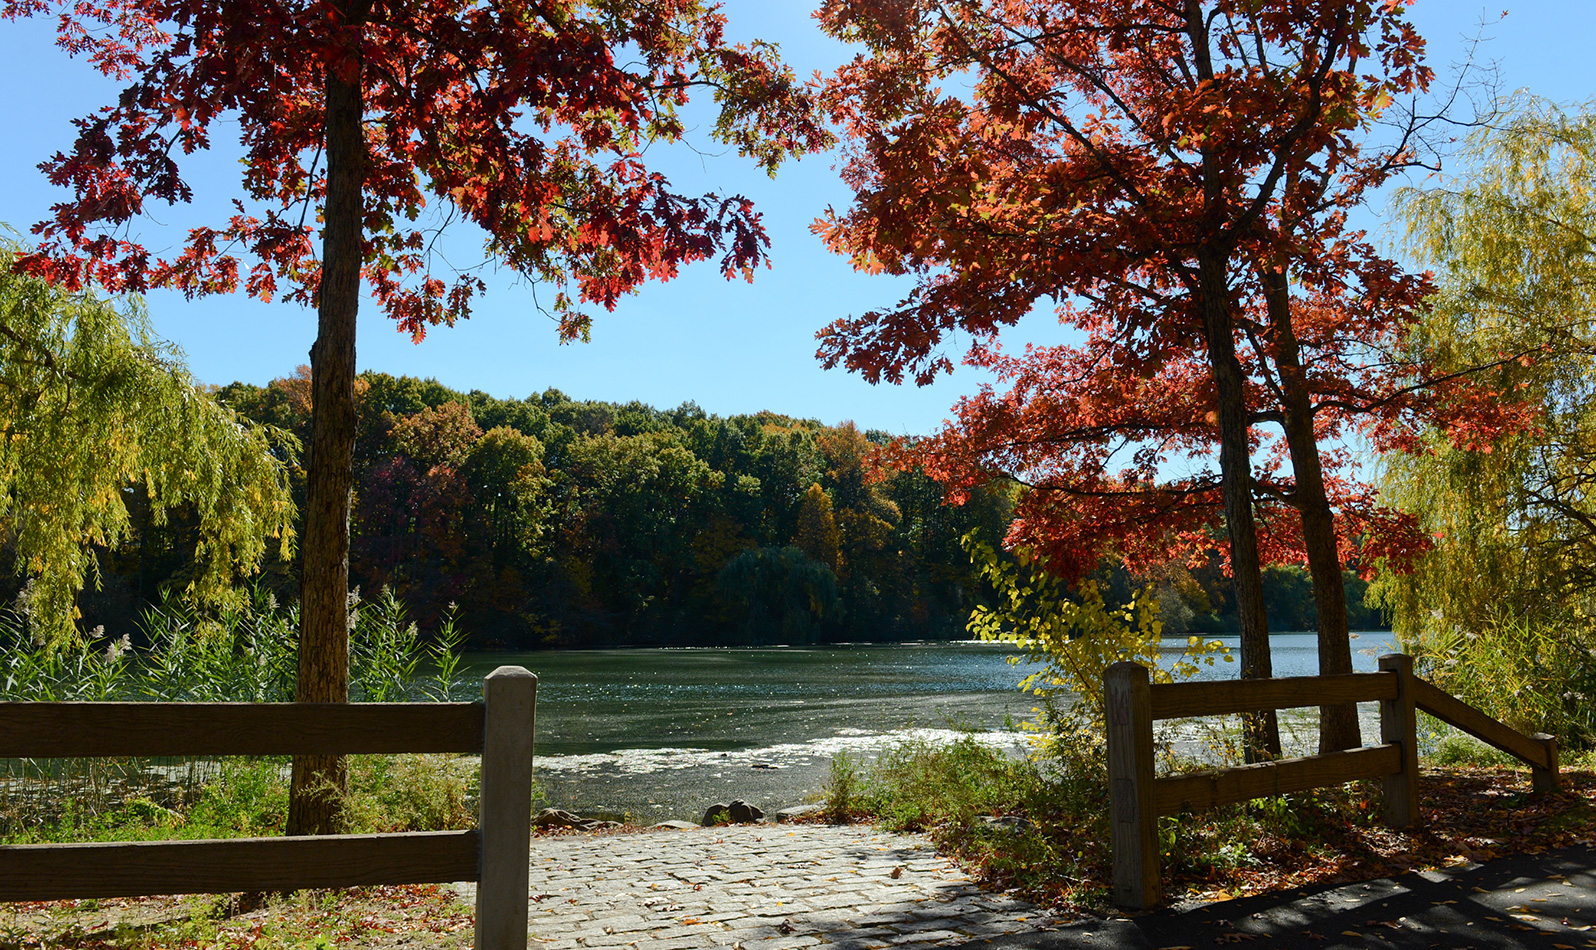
(730, 347)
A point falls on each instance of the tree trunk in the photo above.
(1338, 725)
(1260, 730)
(319, 781)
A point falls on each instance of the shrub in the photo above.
(1073, 638)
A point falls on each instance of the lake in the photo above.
(662, 733)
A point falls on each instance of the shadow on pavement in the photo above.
(1521, 902)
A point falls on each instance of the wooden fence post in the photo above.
(1399, 725)
(1128, 716)
(1545, 779)
(510, 696)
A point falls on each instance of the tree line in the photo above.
(555, 522)
(552, 522)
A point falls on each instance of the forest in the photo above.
(551, 522)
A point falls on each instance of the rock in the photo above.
(742, 812)
(678, 825)
(797, 812)
(1010, 823)
(559, 818)
(738, 812)
(556, 818)
(765, 765)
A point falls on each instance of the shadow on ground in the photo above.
(1522, 902)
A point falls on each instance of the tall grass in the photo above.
(1534, 676)
(1036, 824)
(1040, 824)
(240, 655)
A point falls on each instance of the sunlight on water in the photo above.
(659, 733)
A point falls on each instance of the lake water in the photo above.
(662, 733)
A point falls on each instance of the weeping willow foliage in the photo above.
(1512, 239)
(91, 405)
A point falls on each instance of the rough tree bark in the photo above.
(1338, 725)
(319, 781)
(1260, 730)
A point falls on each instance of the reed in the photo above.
(245, 654)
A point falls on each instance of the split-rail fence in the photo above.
(1137, 798)
(494, 854)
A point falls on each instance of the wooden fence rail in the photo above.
(1137, 797)
(495, 854)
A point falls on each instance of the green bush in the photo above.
(411, 793)
(1074, 636)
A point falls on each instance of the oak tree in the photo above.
(1173, 179)
(369, 125)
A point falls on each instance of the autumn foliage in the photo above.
(1172, 180)
(527, 121)
(373, 125)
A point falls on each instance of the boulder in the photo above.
(559, 818)
(799, 812)
(738, 812)
(742, 812)
(1013, 824)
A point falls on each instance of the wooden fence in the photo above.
(495, 854)
(1137, 798)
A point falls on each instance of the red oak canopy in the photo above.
(528, 119)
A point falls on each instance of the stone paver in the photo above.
(759, 887)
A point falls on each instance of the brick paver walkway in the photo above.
(759, 887)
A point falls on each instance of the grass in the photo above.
(1040, 825)
(417, 916)
(949, 790)
(249, 798)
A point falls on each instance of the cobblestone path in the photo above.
(759, 887)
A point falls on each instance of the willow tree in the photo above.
(92, 405)
(1512, 237)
